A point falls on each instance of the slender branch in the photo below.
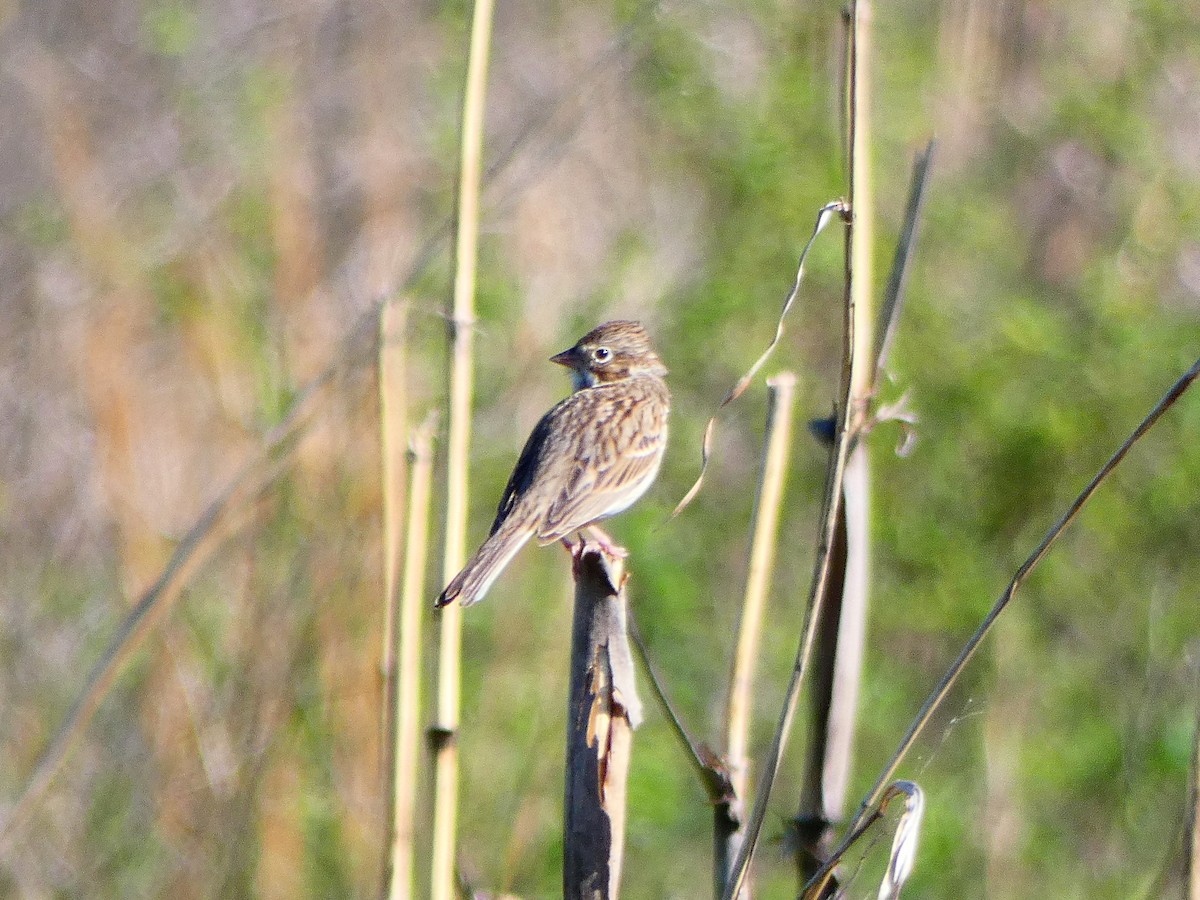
(893, 295)
(709, 767)
(728, 816)
(445, 812)
(408, 693)
(841, 623)
(942, 689)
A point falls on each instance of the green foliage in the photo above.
(170, 28)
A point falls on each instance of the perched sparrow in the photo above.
(590, 457)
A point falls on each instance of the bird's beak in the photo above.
(566, 358)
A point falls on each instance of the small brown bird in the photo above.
(590, 457)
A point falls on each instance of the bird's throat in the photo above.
(583, 378)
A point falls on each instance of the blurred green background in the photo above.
(200, 201)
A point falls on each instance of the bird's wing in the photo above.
(609, 463)
(531, 458)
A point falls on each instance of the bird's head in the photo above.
(611, 352)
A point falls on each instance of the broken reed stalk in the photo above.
(393, 423)
(445, 809)
(841, 623)
(850, 416)
(603, 709)
(858, 826)
(729, 814)
(408, 693)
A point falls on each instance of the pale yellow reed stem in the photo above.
(393, 424)
(442, 879)
(408, 693)
(777, 443)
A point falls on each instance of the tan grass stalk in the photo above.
(856, 483)
(729, 815)
(842, 629)
(603, 709)
(860, 238)
(393, 425)
(851, 413)
(408, 694)
(445, 815)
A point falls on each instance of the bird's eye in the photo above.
(601, 354)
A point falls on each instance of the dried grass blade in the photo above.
(823, 216)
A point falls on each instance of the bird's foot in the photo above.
(607, 544)
(575, 548)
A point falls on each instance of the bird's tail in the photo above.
(469, 585)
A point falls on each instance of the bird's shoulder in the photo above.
(601, 402)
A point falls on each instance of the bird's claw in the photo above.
(607, 544)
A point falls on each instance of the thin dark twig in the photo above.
(893, 297)
(706, 763)
(947, 681)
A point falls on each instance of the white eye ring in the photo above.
(601, 354)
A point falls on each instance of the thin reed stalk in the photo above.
(408, 693)
(393, 424)
(445, 809)
(841, 623)
(850, 416)
(729, 815)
